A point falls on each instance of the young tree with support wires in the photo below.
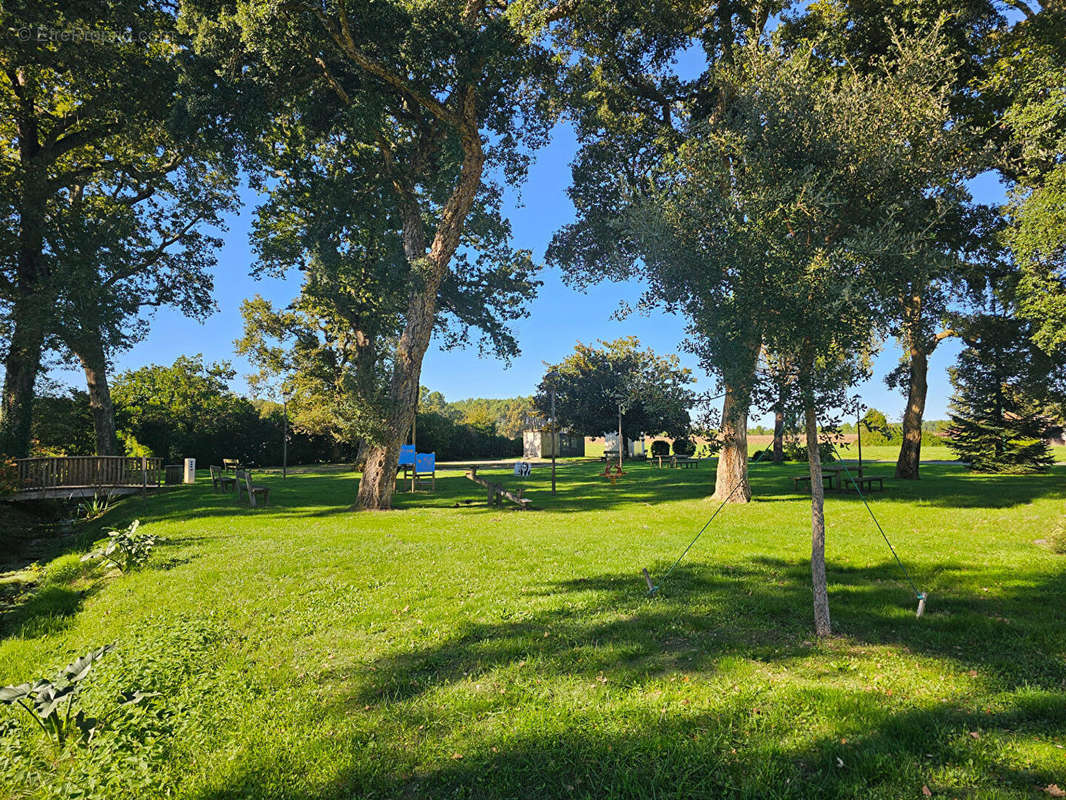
(802, 195)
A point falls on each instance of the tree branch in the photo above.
(561, 10)
(344, 39)
(156, 253)
(333, 82)
(1022, 6)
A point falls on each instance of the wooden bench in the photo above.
(848, 480)
(244, 482)
(867, 483)
(801, 479)
(686, 461)
(231, 465)
(220, 480)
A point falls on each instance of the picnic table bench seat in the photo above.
(833, 479)
(798, 480)
(867, 482)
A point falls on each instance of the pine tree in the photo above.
(996, 426)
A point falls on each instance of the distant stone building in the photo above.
(634, 448)
(538, 444)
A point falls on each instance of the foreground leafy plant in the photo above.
(51, 703)
(126, 549)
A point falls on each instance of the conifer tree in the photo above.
(996, 424)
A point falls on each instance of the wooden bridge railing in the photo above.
(70, 472)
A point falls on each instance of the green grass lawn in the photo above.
(302, 651)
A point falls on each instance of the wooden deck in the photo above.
(86, 476)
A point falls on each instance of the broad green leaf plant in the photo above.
(51, 702)
(127, 549)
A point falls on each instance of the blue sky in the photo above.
(558, 318)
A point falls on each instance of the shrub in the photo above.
(931, 439)
(126, 549)
(684, 446)
(1057, 539)
(131, 447)
(795, 448)
(660, 447)
(51, 703)
(9, 476)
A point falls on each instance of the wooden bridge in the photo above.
(86, 476)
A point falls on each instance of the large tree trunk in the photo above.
(818, 579)
(731, 480)
(378, 481)
(910, 452)
(32, 309)
(779, 436)
(23, 361)
(94, 362)
(732, 473)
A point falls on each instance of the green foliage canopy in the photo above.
(593, 382)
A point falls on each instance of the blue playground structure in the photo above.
(420, 467)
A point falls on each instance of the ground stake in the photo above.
(652, 588)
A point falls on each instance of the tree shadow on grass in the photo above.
(554, 739)
(45, 610)
(582, 488)
(760, 611)
(749, 742)
(942, 485)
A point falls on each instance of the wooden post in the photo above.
(144, 476)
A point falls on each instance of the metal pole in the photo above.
(619, 437)
(555, 439)
(858, 432)
(284, 437)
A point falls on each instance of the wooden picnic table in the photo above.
(838, 480)
(675, 461)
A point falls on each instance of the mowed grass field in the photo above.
(440, 651)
